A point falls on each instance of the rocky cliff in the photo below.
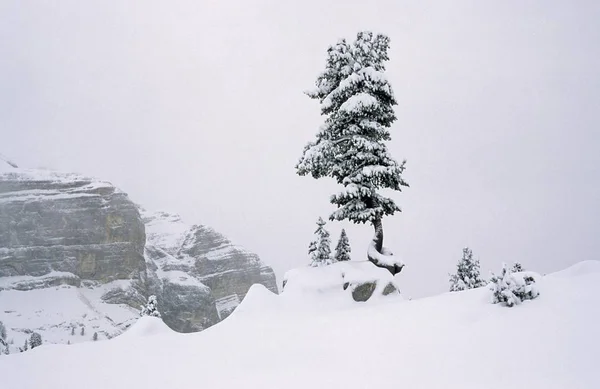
(76, 253)
(189, 266)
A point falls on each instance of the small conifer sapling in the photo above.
(342, 250)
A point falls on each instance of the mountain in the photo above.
(296, 340)
(77, 256)
(200, 275)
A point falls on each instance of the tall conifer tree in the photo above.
(357, 101)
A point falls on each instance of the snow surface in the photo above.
(54, 311)
(147, 326)
(455, 340)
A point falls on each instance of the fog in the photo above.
(197, 108)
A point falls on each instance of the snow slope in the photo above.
(54, 313)
(455, 340)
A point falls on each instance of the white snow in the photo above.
(180, 278)
(222, 252)
(359, 102)
(327, 281)
(54, 311)
(374, 75)
(385, 258)
(85, 188)
(455, 340)
(16, 282)
(147, 326)
(163, 229)
(579, 269)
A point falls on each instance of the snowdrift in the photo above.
(455, 340)
(147, 326)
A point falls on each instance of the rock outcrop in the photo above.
(196, 264)
(69, 224)
(62, 231)
(359, 281)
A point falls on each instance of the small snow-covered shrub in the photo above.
(512, 289)
(151, 309)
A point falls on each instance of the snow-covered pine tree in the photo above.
(517, 267)
(151, 309)
(467, 274)
(2, 332)
(35, 340)
(357, 101)
(342, 250)
(510, 289)
(320, 249)
(312, 250)
(3, 341)
(82, 331)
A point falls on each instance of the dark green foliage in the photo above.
(342, 250)
(35, 340)
(357, 102)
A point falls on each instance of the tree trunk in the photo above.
(378, 237)
(378, 245)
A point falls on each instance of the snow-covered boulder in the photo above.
(360, 281)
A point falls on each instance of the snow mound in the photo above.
(579, 269)
(258, 300)
(147, 326)
(455, 340)
(336, 281)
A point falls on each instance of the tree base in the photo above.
(384, 259)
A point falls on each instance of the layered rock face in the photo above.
(69, 223)
(197, 264)
(85, 242)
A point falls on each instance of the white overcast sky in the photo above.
(196, 107)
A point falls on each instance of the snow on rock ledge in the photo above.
(362, 280)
